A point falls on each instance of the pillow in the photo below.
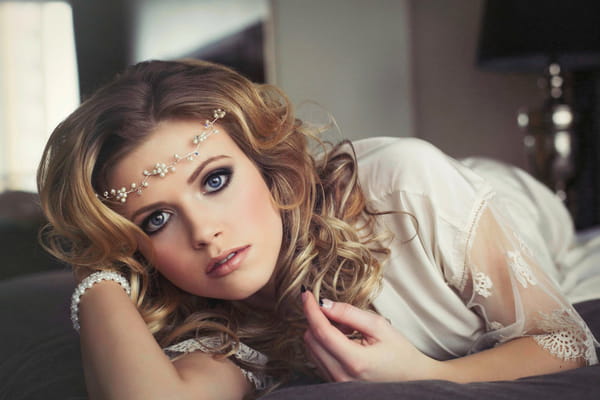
(40, 357)
(581, 383)
(39, 350)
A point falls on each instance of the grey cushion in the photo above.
(581, 384)
(40, 357)
(39, 351)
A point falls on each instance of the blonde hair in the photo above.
(329, 241)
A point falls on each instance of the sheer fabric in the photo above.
(504, 283)
(481, 254)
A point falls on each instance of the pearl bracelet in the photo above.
(87, 283)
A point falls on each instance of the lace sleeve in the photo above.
(244, 353)
(504, 283)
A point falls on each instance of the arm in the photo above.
(529, 327)
(511, 360)
(122, 360)
(384, 355)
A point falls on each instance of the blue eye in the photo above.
(217, 180)
(155, 222)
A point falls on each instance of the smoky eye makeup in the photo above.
(213, 182)
(155, 221)
(216, 180)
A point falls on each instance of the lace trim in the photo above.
(467, 241)
(244, 353)
(521, 269)
(566, 338)
(482, 284)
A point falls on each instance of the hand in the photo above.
(382, 355)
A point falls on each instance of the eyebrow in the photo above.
(190, 180)
(203, 164)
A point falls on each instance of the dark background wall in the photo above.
(102, 40)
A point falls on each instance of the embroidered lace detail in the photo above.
(244, 353)
(522, 245)
(482, 284)
(461, 280)
(521, 269)
(566, 338)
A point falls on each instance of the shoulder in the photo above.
(406, 161)
(396, 148)
(412, 166)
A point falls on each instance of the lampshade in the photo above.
(527, 35)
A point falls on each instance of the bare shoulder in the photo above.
(208, 377)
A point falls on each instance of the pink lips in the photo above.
(227, 262)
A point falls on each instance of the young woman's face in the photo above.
(213, 225)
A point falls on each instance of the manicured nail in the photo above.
(302, 288)
(326, 303)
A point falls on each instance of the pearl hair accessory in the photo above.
(87, 283)
(162, 169)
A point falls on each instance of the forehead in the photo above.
(174, 138)
(170, 139)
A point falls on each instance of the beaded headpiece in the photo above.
(161, 169)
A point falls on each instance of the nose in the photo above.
(205, 238)
(205, 229)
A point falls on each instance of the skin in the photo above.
(209, 208)
(384, 355)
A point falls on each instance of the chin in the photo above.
(241, 293)
(255, 294)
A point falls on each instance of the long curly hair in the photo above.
(329, 239)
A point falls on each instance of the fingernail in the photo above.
(326, 303)
(302, 289)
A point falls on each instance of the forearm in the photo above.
(515, 359)
(121, 358)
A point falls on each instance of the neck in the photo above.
(265, 298)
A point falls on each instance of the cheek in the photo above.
(258, 206)
(165, 261)
(169, 256)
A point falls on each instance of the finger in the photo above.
(346, 330)
(370, 324)
(315, 359)
(325, 362)
(330, 339)
(318, 322)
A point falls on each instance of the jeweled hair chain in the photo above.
(162, 169)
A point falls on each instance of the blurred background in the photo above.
(421, 68)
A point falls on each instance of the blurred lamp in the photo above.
(548, 37)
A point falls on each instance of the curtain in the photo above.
(38, 84)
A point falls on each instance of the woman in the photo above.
(195, 217)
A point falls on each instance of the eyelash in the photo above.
(219, 173)
(146, 222)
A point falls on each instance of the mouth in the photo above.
(227, 262)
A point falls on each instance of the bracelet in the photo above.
(87, 283)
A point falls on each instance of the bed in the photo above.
(40, 358)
